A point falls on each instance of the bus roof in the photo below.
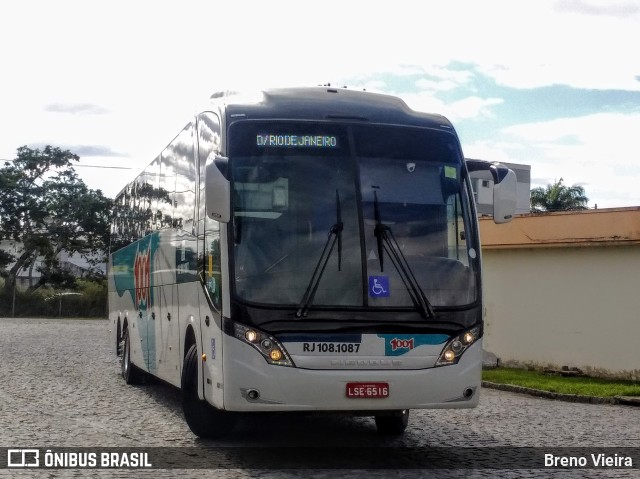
(326, 103)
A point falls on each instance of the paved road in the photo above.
(60, 387)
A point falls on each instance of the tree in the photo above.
(558, 197)
(47, 208)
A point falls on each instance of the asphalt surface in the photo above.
(60, 387)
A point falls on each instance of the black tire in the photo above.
(119, 340)
(130, 373)
(204, 420)
(393, 424)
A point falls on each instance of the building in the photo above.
(561, 289)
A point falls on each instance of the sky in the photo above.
(554, 84)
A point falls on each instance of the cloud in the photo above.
(472, 107)
(83, 150)
(440, 78)
(76, 108)
(492, 151)
(95, 150)
(620, 9)
(540, 46)
(604, 129)
(598, 151)
(447, 89)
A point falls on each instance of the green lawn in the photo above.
(560, 384)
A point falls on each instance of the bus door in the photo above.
(211, 313)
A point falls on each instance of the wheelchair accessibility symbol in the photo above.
(379, 286)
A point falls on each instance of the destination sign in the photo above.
(297, 141)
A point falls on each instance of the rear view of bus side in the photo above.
(306, 249)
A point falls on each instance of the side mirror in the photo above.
(504, 197)
(217, 190)
(504, 188)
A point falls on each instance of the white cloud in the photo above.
(623, 9)
(540, 47)
(491, 151)
(472, 107)
(598, 151)
(443, 78)
(602, 137)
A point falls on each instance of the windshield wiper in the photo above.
(335, 235)
(387, 242)
(378, 229)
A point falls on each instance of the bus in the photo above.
(308, 250)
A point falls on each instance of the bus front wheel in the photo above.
(394, 423)
(204, 420)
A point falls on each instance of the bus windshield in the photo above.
(384, 207)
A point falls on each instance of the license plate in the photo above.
(367, 390)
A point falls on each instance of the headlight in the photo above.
(456, 347)
(272, 351)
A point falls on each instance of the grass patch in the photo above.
(584, 386)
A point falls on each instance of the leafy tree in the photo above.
(47, 208)
(558, 197)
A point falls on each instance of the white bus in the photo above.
(305, 249)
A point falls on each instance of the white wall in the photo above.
(573, 306)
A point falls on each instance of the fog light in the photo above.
(275, 355)
(251, 335)
(449, 355)
(253, 394)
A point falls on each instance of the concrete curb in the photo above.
(626, 400)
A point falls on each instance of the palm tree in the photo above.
(558, 197)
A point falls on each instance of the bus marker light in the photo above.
(204, 357)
